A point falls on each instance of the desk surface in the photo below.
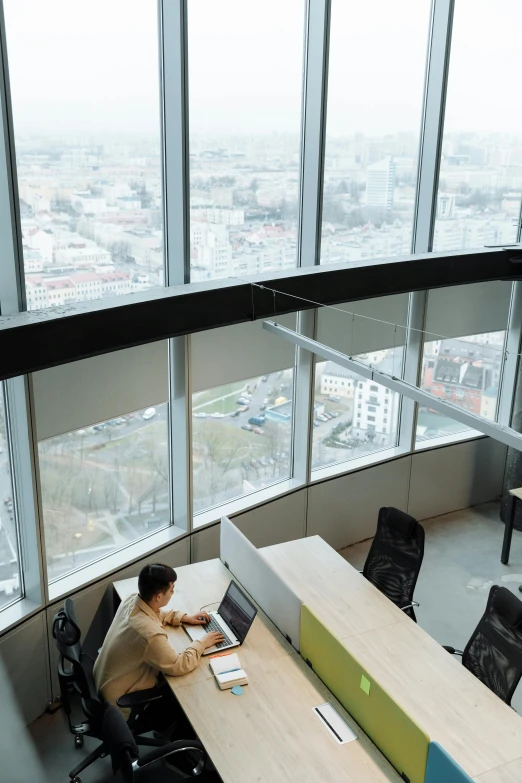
(333, 589)
(508, 773)
(445, 699)
(270, 733)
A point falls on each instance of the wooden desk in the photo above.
(445, 699)
(478, 729)
(270, 733)
(333, 589)
(508, 773)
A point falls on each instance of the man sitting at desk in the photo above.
(137, 648)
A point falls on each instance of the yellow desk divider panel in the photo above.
(396, 735)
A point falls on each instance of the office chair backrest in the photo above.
(395, 556)
(74, 667)
(494, 652)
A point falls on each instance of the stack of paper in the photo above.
(227, 671)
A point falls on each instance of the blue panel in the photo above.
(441, 768)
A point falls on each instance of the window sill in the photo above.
(234, 507)
(350, 466)
(14, 614)
(448, 440)
(115, 562)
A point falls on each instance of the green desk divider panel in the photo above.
(442, 768)
(396, 735)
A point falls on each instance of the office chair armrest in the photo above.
(173, 748)
(452, 650)
(137, 698)
(410, 606)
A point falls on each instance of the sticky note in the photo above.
(365, 685)
(237, 690)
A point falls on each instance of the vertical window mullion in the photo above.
(172, 16)
(315, 83)
(432, 128)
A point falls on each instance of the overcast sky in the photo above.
(94, 66)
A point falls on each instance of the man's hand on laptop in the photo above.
(200, 618)
(212, 638)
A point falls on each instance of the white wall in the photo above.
(446, 479)
(342, 510)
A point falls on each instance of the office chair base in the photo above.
(78, 741)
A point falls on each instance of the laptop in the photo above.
(233, 619)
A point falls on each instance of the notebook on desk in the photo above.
(233, 619)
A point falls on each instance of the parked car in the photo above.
(262, 407)
(149, 414)
(242, 400)
(99, 427)
(235, 413)
(264, 378)
(200, 415)
(322, 417)
(247, 427)
(335, 414)
(259, 431)
(258, 421)
(328, 416)
(316, 423)
(217, 415)
(244, 408)
(333, 398)
(7, 500)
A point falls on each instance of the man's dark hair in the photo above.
(155, 578)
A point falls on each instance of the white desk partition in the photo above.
(277, 600)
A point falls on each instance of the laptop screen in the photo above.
(237, 611)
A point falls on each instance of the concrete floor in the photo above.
(461, 562)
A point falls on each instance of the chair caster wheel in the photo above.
(76, 780)
(78, 743)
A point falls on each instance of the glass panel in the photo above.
(464, 371)
(375, 90)
(245, 65)
(103, 487)
(241, 438)
(86, 118)
(10, 582)
(354, 416)
(480, 181)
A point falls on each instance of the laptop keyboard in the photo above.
(212, 625)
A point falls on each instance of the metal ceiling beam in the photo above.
(46, 338)
(496, 431)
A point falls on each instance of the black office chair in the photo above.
(494, 651)
(75, 674)
(122, 747)
(395, 557)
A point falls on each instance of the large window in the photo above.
(354, 416)
(245, 73)
(465, 372)
(10, 581)
(375, 84)
(103, 487)
(480, 183)
(241, 438)
(84, 84)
